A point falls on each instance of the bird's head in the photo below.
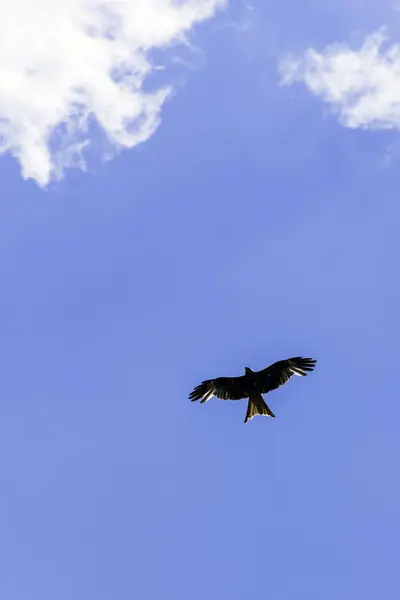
(247, 370)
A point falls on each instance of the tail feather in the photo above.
(257, 406)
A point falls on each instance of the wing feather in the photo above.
(280, 372)
(225, 388)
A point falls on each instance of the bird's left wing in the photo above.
(280, 372)
(225, 388)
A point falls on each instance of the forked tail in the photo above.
(257, 406)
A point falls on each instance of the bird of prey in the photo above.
(253, 384)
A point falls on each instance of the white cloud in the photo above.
(362, 86)
(64, 63)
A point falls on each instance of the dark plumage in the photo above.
(253, 384)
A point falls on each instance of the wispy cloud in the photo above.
(362, 86)
(67, 63)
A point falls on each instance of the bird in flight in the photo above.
(253, 384)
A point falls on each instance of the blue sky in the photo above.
(258, 222)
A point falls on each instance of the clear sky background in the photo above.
(260, 221)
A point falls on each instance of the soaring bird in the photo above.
(253, 384)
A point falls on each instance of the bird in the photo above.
(253, 384)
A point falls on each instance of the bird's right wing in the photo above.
(225, 388)
(280, 372)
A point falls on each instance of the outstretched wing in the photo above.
(280, 372)
(225, 388)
